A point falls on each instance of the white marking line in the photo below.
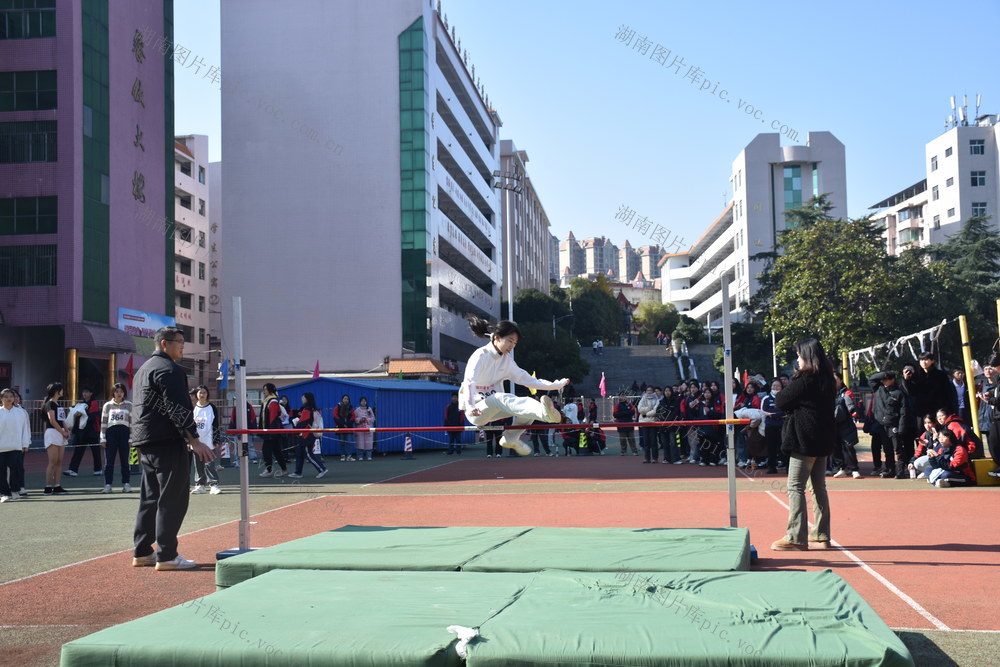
(389, 479)
(123, 551)
(58, 625)
(878, 577)
(949, 630)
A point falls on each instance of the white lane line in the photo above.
(987, 632)
(878, 577)
(388, 479)
(124, 551)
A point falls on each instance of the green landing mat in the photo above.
(499, 550)
(555, 617)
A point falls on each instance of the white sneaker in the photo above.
(107, 488)
(343, 458)
(23, 491)
(552, 415)
(98, 472)
(855, 474)
(840, 473)
(351, 458)
(322, 473)
(280, 473)
(126, 488)
(15, 495)
(678, 463)
(6, 499)
(922, 475)
(214, 490)
(199, 489)
(69, 472)
(266, 473)
(516, 444)
(942, 484)
(179, 563)
(295, 475)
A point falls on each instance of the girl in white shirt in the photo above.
(116, 426)
(482, 395)
(206, 419)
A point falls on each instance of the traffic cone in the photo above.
(408, 448)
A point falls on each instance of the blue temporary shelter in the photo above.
(395, 402)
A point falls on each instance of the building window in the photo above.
(947, 152)
(28, 91)
(793, 186)
(951, 213)
(201, 175)
(188, 333)
(183, 300)
(937, 222)
(27, 265)
(934, 163)
(201, 305)
(815, 179)
(201, 239)
(935, 193)
(185, 168)
(978, 208)
(184, 267)
(201, 270)
(185, 233)
(950, 182)
(977, 147)
(185, 201)
(28, 215)
(978, 179)
(201, 207)
(201, 336)
(27, 19)
(28, 141)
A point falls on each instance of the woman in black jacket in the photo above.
(808, 438)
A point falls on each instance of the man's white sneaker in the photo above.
(922, 475)
(199, 489)
(280, 473)
(322, 473)
(840, 473)
(69, 472)
(5, 499)
(552, 415)
(855, 474)
(294, 475)
(942, 484)
(266, 473)
(214, 490)
(179, 563)
(126, 488)
(516, 444)
(107, 488)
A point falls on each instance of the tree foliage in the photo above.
(689, 329)
(751, 349)
(833, 279)
(550, 356)
(655, 317)
(596, 313)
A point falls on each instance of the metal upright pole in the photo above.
(727, 345)
(241, 422)
(774, 355)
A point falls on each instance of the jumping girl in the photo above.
(482, 395)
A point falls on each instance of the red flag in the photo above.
(316, 370)
(603, 386)
(129, 369)
(745, 378)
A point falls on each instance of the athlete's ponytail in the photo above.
(482, 328)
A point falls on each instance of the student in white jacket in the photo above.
(15, 435)
(482, 395)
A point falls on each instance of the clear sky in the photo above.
(605, 126)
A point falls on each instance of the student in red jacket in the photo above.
(952, 466)
(954, 423)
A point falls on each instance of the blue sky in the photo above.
(604, 126)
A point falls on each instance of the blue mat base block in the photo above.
(499, 549)
(554, 617)
(229, 553)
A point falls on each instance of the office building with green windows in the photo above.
(363, 223)
(767, 179)
(86, 156)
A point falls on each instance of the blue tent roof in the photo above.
(387, 383)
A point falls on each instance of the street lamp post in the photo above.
(508, 181)
(557, 319)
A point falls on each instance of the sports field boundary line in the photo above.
(982, 632)
(193, 532)
(881, 579)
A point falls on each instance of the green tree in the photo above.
(831, 280)
(751, 349)
(596, 313)
(539, 351)
(689, 330)
(653, 318)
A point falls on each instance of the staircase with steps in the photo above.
(623, 365)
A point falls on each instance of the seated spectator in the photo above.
(926, 443)
(964, 433)
(949, 465)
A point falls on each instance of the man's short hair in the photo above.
(926, 355)
(166, 333)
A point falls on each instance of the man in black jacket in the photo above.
(933, 388)
(893, 413)
(164, 432)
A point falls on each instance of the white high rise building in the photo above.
(362, 222)
(767, 179)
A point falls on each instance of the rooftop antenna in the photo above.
(965, 109)
(979, 99)
(951, 118)
(961, 116)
